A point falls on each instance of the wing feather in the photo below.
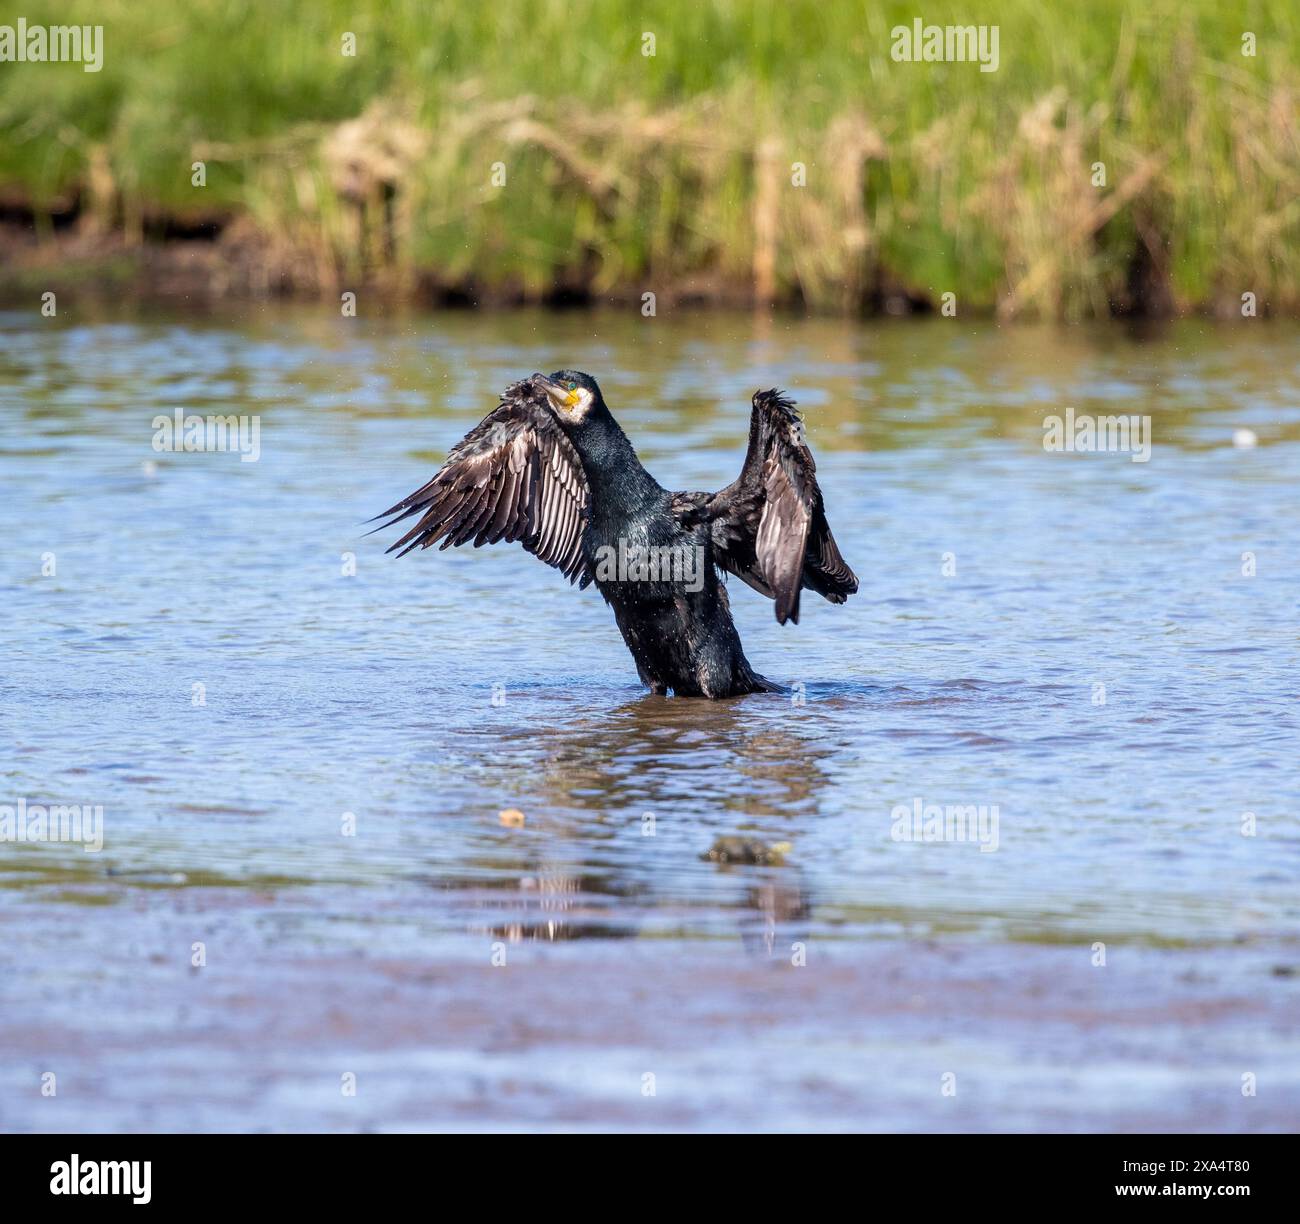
(769, 526)
(515, 476)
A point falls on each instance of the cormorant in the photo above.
(551, 468)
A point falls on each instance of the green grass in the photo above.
(627, 173)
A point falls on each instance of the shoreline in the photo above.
(562, 1036)
(210, 262)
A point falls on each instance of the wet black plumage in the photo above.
(550, 468)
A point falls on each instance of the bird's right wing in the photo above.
(514, 476)
(769, 525)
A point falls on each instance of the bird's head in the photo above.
(573, 394)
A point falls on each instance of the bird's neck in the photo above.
(619, 484)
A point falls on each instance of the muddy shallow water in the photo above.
(301, 746)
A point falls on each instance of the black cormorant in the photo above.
(551, 468)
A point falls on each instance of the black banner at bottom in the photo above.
(335, 1172)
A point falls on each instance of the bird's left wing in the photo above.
(514, 476)
(769, 526)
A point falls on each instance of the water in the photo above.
(1076, 640)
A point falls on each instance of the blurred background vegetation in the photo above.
(672, 173)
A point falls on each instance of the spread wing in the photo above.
(514, 476)
(769, 526)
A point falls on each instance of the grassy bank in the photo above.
(672, 173)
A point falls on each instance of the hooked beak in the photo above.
(559, 395)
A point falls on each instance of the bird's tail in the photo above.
(747, 680)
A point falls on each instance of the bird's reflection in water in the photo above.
(777, 918)
(548, 909)
(704, 766)
(686, 756)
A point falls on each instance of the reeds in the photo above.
(1126, 156)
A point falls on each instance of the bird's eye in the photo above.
(573, 386)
